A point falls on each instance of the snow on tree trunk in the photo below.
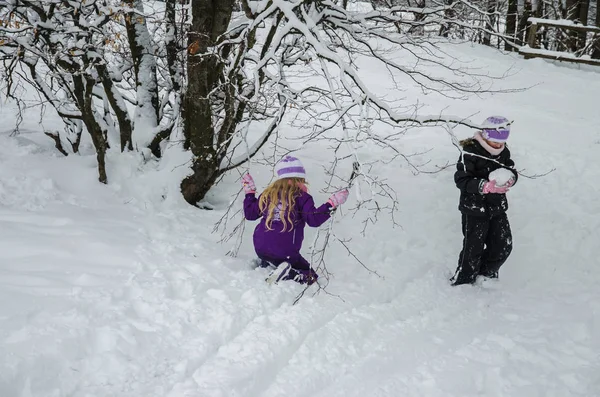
(171, 36)
(146, 117)
(175, 67)
(118, 105)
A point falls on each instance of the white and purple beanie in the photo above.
(290, 167)
(496, 129)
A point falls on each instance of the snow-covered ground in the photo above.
(123, 290)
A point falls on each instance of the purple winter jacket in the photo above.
(282, 245)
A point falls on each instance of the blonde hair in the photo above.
(284, 191)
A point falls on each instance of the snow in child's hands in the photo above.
(501, 176)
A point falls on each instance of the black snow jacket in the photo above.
(472, 171)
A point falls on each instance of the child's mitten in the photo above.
(490, 187)
(248, 184)
(338, 198)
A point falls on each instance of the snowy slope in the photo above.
(124, 291)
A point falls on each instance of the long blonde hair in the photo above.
(281, 195)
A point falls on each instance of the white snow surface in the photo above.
(123, 290)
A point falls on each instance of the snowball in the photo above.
(501, 176)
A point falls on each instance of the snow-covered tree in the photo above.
(98, 65)
(116, 69)
(243, 69)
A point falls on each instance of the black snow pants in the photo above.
(486, 246)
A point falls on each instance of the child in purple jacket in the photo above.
(285, 207)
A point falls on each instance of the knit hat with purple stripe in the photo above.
(496, 129)
(290, 167)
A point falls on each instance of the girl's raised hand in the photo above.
(338, 198)
(248, 184)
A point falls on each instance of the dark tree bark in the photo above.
(522, 32)
(596, 52)
(511, 23)
(419, 18)
(584, 10)
(74, 128)
(210, 19)
(541, 34)
(171, 44)
(490, 21)
(57, 143)
(84, 87)
(125, 127)
(448, 15)
(572, 14)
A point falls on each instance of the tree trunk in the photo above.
(74, 128)
(522, 32)
(511, 23)
(541, 33)
(146, 114)
(119, 107)
(572, 14)
(584, 10)
(84, 87)
(57, 142)
(171, 38)
(596, 52)
(210, 19)
(419, 29)
(490, 21)
(449, 14)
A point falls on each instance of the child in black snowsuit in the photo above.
(483, 204)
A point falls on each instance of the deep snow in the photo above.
(122, 290)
